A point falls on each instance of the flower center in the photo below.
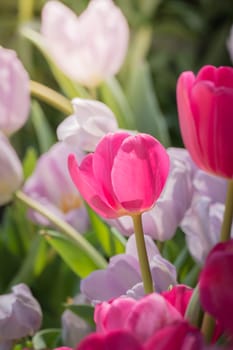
(70, 202)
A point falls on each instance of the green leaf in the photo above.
(86, 312)
(46, 339)
(113, 95)
(34, 263)
(79, 262)
(45, 136)
(110, 241)
(29, 161)
(148, 116)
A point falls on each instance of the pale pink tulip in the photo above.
(90, 122)
(14, 92)
(11, 173)
(50, 184)
(124, 176)
(88, 48)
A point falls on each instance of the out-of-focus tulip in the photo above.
(230, 44)
(14, 92)
(90, 122)
(205, 104)
(124, 176)
(74, 328)
(116, 340)
(140, 317)
(20, 314)
(123, 276)
(88, 48)
(11, 173)
(179, 297)
(216, 285)
(50, 184)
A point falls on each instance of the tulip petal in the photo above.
(84, 180)
(103, 159)
(139, 172)
(116, 340)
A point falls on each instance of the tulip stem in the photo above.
(142, 254)
(51, 97)
(228, 214)
(207, 328)
(67, 229)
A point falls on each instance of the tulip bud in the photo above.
(11, 173)
(14, 92)
(88, 48)
(20, 314)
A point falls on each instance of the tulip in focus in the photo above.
(88, 48)
(124, 176)
(11, 173)
(20, 315)
(50, 184)
(14, 92)
(205, 105)
(90, 122)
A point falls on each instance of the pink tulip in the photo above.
(141, 317)
(11, 172)
(124, 176)
(216, 285)
(178, 297)
(205, 106)
(88, 48)
(14, 92)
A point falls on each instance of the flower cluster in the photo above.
(146, 230)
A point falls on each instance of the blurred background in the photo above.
(167, 37)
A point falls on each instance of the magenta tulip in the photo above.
(216, 285)
(124, 176)
(205, 107)
(116, 340)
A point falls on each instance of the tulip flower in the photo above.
(123, 277)
(11, 173)
(88, 48)
(90, 122)
(14, 92)
(124, 176)
(50, 184)
(141, 317)
(216, 285)
(20, 315)
(163, 219)
(205, 104)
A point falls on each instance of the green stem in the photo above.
(51, 97)
(228, 214)
(208, 326)
(25, 10)
(65, 228)
(142, 254)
